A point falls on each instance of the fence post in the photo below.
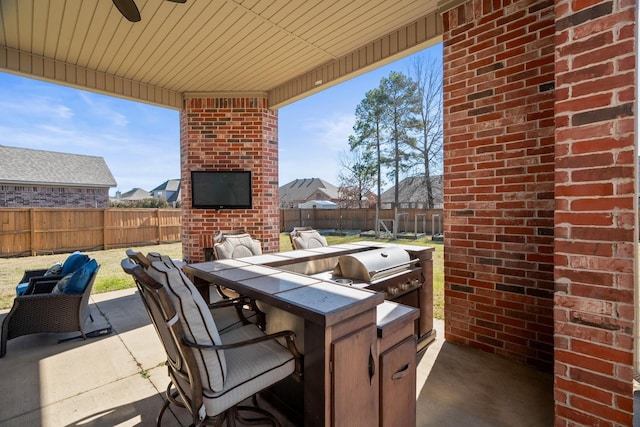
(104, 229)
(159, 225)
(32, 231)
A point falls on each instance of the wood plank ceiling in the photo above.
(286, 49)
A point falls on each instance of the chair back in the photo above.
(307, 239)
(294, 233)
(237, 246)
(183, 369)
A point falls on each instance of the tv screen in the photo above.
(221, 189)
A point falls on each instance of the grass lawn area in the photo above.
(111, 277)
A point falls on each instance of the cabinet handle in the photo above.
(372, 365)
(401, 373)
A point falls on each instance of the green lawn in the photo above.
(111, 277)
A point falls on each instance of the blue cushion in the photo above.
(21, 288)
(73, 263)
(80, 279)
(62, 283)
(54, 270)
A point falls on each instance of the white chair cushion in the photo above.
(309, 239)
(196, 320)
(237, 246)
(250, 369)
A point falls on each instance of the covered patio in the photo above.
(120, 379)
(540, 148)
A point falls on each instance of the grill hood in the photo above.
(369, 266)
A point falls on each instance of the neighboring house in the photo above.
(318, 204)
(45, 179)
(168, 190)
(412, 193)
(133, 195)
(303, 190)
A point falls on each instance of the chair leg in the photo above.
(166, 404)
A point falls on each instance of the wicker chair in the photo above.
(210, 374)
(41, 309)
(55, 272)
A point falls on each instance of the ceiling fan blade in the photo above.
(128, 9)
(178, 1)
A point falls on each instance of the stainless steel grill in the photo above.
(373, 265)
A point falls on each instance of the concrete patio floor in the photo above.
(119, 379)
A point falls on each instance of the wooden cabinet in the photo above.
(397, 347)
(398, 384)
(354, 379)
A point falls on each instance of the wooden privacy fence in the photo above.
(33, 231)
(419, 221)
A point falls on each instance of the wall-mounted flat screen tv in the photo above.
(221, 189)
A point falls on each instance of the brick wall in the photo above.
(230, 134)
(595, 244)
(499, 177)
(14, 196)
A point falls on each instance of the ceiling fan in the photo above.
(130, 11)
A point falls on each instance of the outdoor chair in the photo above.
(210, 373)
(228, 313)
(51, 305)
(235, 245)
(306, 238)
(56, 272)
(295, 232)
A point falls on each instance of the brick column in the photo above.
(596, 211)
(221, 133)
(498, 177)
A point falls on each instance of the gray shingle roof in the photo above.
(303, 189)
(135, 194)
(27, 166)
(414, 190)
(169, 185)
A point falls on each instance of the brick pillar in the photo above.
(499, 177)
(226, 134)
(596, 212)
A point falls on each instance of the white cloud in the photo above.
(331, 133)
(40, 107)
(102, 107)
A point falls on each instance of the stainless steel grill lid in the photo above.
(372, 265)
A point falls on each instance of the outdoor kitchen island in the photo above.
(359, 349)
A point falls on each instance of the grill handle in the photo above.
(393, 267)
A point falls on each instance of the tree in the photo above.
(357, 177)
(399, 119)
(427, 73)
(368, 130)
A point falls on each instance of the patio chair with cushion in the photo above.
(51, 304)
(236, 245)
(56, 272)
(210, 374)
(227, 313)
(307, 239)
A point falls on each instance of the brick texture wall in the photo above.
(230, 134)
(19, 196)
(499, 177)
(596, 211)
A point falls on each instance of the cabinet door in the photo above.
(398, 384)
(354, 379)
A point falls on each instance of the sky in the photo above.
(141, 143)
